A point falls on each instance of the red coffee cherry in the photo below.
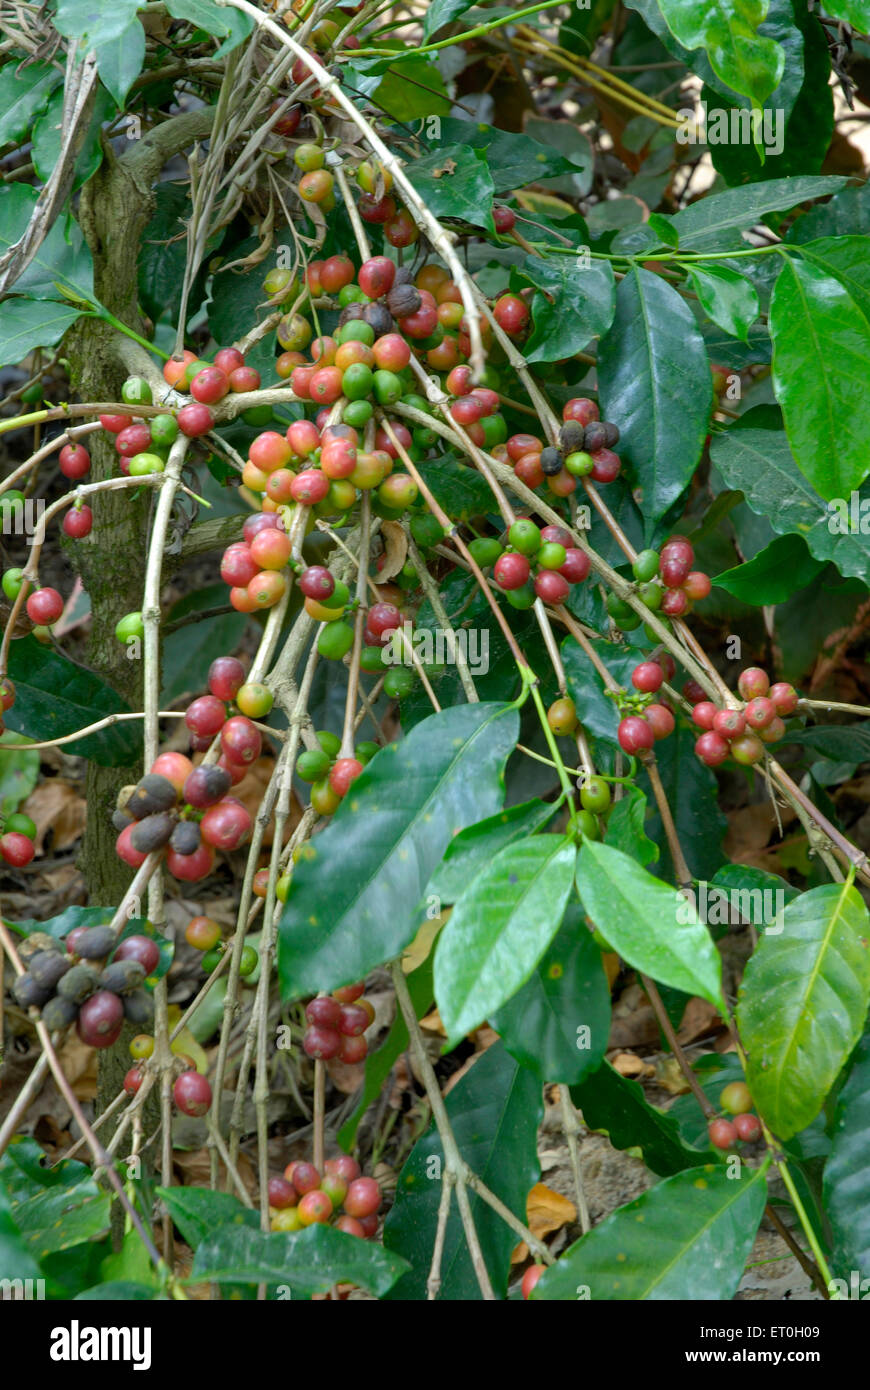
(760, 712)
(730, 723)
(748, 1128)
(74, 459)
(192, 1093)
(363, 1198)
(647, 677)
(226, 676)
(321, 1043)
(530, 1279)
(635, 734)
(550, 585)
(697, 585)
(783, 697)
(511, 571)
(282, 1194)
(723, 1134)
(704, 714)
(343, 772)
(753, 681)
(660, 720)
(711, 749)
(44, 607)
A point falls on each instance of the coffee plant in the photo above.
(434, 512)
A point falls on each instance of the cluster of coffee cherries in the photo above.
(336, 1025)
(650, 719)
(557, 562)
(666, 582)
(305, 1197)
(585, 449)
(17, 830)
(44, 606)
(329, 775)
(92, 980)
(744, 1127)
(74, 462)
(205, 934)
(191, 1090)
(187, 809)
(742, 734)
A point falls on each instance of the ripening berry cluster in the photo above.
(655, 720)
(305, 1197)
(91, 980)
(17, 831)
(191, 1090)
(741, 734)
(187, 809)
(329, 775)
(666, 582)
(585, 449)
(744, 1128)
(558, 563)
(205, 935)
(336, 1025)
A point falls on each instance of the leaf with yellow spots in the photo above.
(687, 1238)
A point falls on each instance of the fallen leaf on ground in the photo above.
(627, 1064)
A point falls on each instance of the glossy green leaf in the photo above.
(54, 697)
(494, 1112)
(219, 20)
(774, 574)
(821, 336)
(728, 31)
(654, 378)
(62, 1215)
(19, 773)
(353, 904)
(727, 298)
(456, 182)
(474, 848)
(16, 1258)
(513, 159)
(625, 827)
(837, 741)
(442, 12)
(48, 138)
(93, 22)
(308, 1261)
(705, 225)
(616, 1106)
(803, 1003)
(162, 257)
(649, 924)
(575, 304)
(24, 92)
(120, 59)
(854, 12)
(411, 89)
(29, 324)
(198, 1213)
(558, 1024)
(847, 1171)
(687, 1238)
(847, 259)
(846, 214)
(692, 793)
(760, 464)
(499, 929)
(63, 259)
(458, 488)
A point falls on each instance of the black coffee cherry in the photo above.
(47, 967)
(154, 793)
(611, 435)
(594, 437)
(120, 820)
(139, 1007)
(152, 833)
(571, 437)
(351, 313)
(28, 993)
(123, 976)
(186, 837)
(79, 983)
(59, 1013)
(403, 300)
(95, 943)
(379, 318)
(551, 462)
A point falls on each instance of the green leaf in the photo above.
(728, 31)
(58, 1217)
(854, 12)
(411, 89)
(48, 138)
(353, 904)
(575, 303)
(759, 463)
(803, 1002)
(218, 20)
(19, 773)
(117, 1291)
(514, 160)
(649, 924)
(598, 715)
(727, 298)
(847, 1170)
(120, 59)
(192, 648)
(774, 574)
(380, 1063)
(820, 335)
(63, 259)
(847, 259)
(16, 1259)
(458, 488)
(309, 1261)
(499, 929)
(846, 214)
(687, 1238)
(616, 1106)
(494, 1112)
(837, 741)
(473, 849)
(198, 1213)
(455, 182)
(89, 20)
(54, 697)
(625, 827)
(558, 1024)
(442, 12)
(24, 92)
(29, 324)
(61, 925)
(764, 890)
(700, 226)
(654, 380)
